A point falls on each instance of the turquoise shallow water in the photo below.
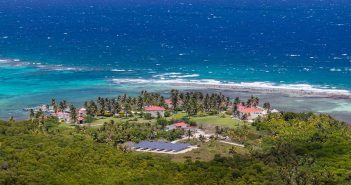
(77, 51)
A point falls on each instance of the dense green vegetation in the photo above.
(289, 148)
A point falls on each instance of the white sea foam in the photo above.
(335, 69)
(118, 70)
(19, 63)
(293, 55)
(175, 75)
(264, 87)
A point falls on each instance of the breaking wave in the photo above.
(305, 90)
(51, 67)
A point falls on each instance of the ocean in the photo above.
(78, 50)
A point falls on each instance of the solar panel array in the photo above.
(161, 146)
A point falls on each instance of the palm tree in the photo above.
(39, 114)
(256, 101)
(193, 107)
(189, 134)
(206, 102)
(116, 108)
(245, 117)
(11, 119)
(162, 101)
(54, 105)
(267, 106)
(174, 98)
(65, 103)
(219, 130)
(31, 114)
(235, 110)
(202, 138)
(101, 103)
(73, 112)
(93, 109)
(237, 100)
(126, 109)
(109, 105)
(62, 106)
(55, 108)
(140, 103)
(86, 104)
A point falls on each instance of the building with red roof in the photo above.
(155, 111)
(179, 125)
(82, 111)
(250, 112)
(169, 103)
(62, 116)
(81, 120)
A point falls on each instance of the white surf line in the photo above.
(232, 143)
(303, 90)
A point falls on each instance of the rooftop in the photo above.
(245, 109)
(181, 124)
(161, 146)
(154, 108)
(168, 101)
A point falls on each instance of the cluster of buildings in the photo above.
(243, 112)
(249, 113)
(63, 116)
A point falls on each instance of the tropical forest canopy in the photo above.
(290, 148)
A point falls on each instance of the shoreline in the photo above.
(293, 90)
(289, 92)
(336, 107)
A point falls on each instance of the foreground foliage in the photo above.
(292, 149)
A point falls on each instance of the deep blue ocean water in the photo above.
(74, 49)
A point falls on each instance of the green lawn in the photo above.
(215, 120)
(101, 121)
(227, 121)
(207, 151)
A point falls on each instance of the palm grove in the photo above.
(192, 103)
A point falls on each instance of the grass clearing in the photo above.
(217, 121)
(214, 120)
(101, 121)
(207, 151)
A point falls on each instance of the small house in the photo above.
(81, 120)
(155, 111)
(251, 112)
(62, 116)
(82, 111)
(169, 103)
(179, 125)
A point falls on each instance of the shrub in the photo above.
(89, 119)
(192, 123)
(213, 112)
(147, 116)
(108, 114)
(167, 114)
